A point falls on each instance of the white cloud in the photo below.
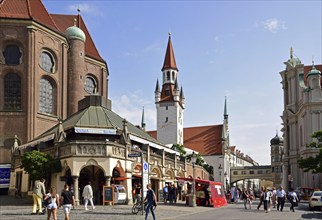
(273, 25)
(130, 107)
(153, 47)
(85, 9)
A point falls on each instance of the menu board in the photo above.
(108, 194)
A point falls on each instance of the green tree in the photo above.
(313, 164)
(179, 148)
(39, 165)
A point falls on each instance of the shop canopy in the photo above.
(199, 180)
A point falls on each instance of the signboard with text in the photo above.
(145, 177)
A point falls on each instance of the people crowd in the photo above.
(270, 198)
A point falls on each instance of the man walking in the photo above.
(165, 193)
(88, 195)
(38, 194)
(281, 196)
(67, 200)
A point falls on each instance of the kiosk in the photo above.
(208, 193)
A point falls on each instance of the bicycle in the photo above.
(137, 207)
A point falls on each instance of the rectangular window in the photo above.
(235, 172)
(251, 172)
(243, 172)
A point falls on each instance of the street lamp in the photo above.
(193, 161)
(220, 168)
(226, 180)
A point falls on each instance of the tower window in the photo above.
(173, 76)
(90, 85)
(166, 119)
(46, 97)
(168, 75)
(167, 91)
(12, 92)
(12, 55)
(46, 62)
(166, 108)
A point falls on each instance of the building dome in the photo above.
(277, 140)
(74, 32)
(314, 72)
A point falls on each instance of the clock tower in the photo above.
(169, 101)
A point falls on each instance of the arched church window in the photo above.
(168, 75)
(46, 62)
(46, 96)
(12, 55)
(173, 74)
(12, 92)
(90, 85)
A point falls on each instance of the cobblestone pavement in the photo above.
(18, 209)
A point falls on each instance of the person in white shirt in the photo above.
(293, 199)
(281, 196)
(88, 195)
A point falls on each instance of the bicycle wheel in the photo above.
(135, 209)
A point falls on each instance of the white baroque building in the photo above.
(302, 116)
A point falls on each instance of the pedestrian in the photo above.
(269, 197)
(293, 199)
(281, 196)
(274, 197)
(68, 201)
(151, 202)
(171, 193)
(54, 203)
(261, 197)
(251, 197)
(245, 197)
(138, 189)
(265, 199)
(88, 195)
(165, 193)
(38, 194)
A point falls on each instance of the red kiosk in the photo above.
(215, 190)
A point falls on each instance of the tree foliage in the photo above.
(313, 164)
(180, 149)
(39, 165)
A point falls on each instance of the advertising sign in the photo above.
(4, 175)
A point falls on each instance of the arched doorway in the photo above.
(95, 175)
(155, 176)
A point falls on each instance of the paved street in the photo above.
(16, 209)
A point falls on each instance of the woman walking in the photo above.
(52, 207)
(151, 199)
(293, 199)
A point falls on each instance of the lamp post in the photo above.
(193, 197)
(226, 180)
(220, 168)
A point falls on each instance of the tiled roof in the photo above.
(35, 10)
(204, 139)
(169, 60)
(26, 9)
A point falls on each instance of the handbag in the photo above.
(47, 201)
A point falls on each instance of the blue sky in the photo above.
(222, 48)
